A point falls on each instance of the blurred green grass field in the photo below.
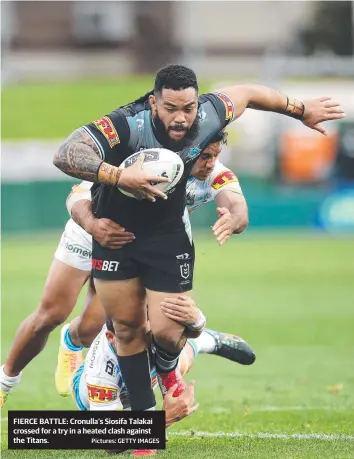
(53, 110)
(290, 295)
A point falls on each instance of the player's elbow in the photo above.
(58, 158)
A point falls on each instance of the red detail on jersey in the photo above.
(99, 394)
(105, 265)
(97, 264)
(229, 106)
(224, 178)
(105, 125)
(154, 381)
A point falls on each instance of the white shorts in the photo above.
(75, 247)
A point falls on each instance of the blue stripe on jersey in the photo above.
(76, 387)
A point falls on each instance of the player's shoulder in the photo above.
(218, 168)
(223, 177)
(210, 97)
(112, 128)
(136, 107)
(220, 103)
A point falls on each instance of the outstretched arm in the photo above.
(233, 215)
(311, 112)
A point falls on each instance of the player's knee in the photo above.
(126, 333)
(169, 341)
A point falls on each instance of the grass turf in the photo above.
(54, 110)
(289, 295)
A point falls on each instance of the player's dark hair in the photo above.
(140, 100)
(175, 77)
(144, 98)
(110, 326)
(221, 136)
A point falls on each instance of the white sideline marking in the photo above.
(296, 408)
(254, 409)
(283, 436)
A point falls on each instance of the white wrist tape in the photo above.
(76, 197)
(199, 324)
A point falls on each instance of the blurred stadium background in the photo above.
(287, 287)
(65, 63)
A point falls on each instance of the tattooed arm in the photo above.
(79, 157)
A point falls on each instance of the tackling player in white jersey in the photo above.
(98, 383)
(71, 268)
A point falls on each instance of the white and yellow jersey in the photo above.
(98, 383)
(200, 192)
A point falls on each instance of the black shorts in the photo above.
(164, 262)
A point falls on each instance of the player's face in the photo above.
(177, 110)
(205, 164)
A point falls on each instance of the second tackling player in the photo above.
(98, 383)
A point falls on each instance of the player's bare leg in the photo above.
(74, 336)
(168, 341)
(84, 328)
(125, 302)
(61, 290)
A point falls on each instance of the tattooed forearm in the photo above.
(78, 156)
(109, 174)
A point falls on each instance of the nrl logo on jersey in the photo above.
(185, 270)
(193, 153)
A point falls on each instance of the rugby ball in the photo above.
(159, 162)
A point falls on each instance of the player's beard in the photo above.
(166, 141)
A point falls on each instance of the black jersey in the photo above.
(129, 129)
